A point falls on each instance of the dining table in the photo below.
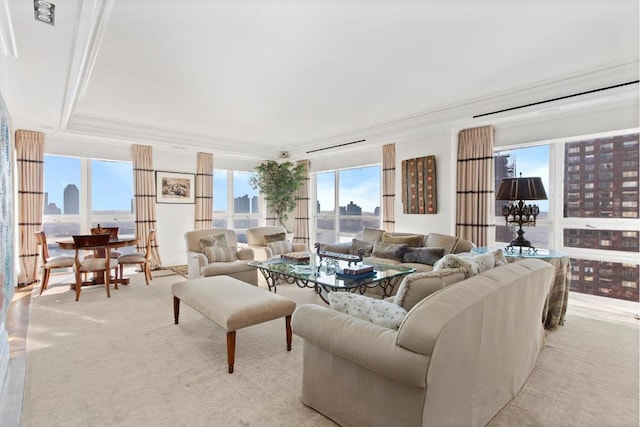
(114, 242)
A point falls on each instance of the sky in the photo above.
(533, 161)
(359, 185)
(60, 171)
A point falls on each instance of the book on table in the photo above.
(357, 270)
(360, 276)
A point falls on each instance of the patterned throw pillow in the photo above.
(427, 256)
(380, 312)
(356, 245)
(274, 238)
(393, 251)
(221, 253)
(413, 240)
(280, 247)
(219, 239)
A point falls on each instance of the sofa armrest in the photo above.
(195, 262)
(245, 254)
(261, 253)
(342, 247)
(360, 342)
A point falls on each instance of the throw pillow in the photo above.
(356, 245)
(221, 253)
(416, 287)
(380, 312)
(219, 239)
(427, 256)
(413, 240)
(393, 251)
(499, 258)
(274, 238)
(280, 247)
(371, 234)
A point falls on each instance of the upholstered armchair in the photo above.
(272, 241)
(214, 252)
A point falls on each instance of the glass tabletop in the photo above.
(334, 279)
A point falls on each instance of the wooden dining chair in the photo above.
(142, 259)
(112, 231)
(96, 243)
(49, 262)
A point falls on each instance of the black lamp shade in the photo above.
(529, 188)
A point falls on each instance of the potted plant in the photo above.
(278, 183)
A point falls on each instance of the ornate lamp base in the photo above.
(520, 242)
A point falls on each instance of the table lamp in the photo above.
(516, 191)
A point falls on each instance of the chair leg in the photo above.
(121, 271)
(45, 280)
(115, 273)
(145, 268)
(78, 284)
(107, 276)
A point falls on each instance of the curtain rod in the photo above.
(335, 146)
(559, 98)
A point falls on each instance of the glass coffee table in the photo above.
(275, 271)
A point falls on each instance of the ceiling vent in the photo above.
(44, 11)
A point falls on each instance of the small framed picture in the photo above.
(175, 187)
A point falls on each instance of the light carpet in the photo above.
(122, 361)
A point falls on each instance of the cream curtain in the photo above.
(145, 199)
(301, 219)
(204, 192)
(30, 161)
(388, 187)
(475, 192)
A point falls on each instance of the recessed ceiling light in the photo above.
(44, 11)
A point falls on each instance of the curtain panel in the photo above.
(204, 192)
(30, 162)
(144, 190)
(301, 218)
(475, 186)
(388, 187)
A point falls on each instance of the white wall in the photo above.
(175, 219)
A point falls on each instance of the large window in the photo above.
(235, 203)
(81, 193)
(346, 200)
(592, 213)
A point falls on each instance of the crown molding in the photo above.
(90, 24)
(168, 138)
(461, 114)
(7, 36)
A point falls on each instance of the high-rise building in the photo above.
(71, 203)
(601, 181)
(242, 204)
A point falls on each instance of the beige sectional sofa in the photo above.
(459, 354)
(419, 247)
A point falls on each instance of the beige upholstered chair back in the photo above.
(191, 237)
(255, 235)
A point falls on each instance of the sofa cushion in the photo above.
(413, 240)
(393, 251)
(356, 245)
(277, 237)
(221, 253)
(219, 239)
(415, 287)
(380, 312)
(280, 247)
(371, 234)
(423, 255)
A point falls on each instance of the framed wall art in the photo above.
(175, 187)
(419, 186)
